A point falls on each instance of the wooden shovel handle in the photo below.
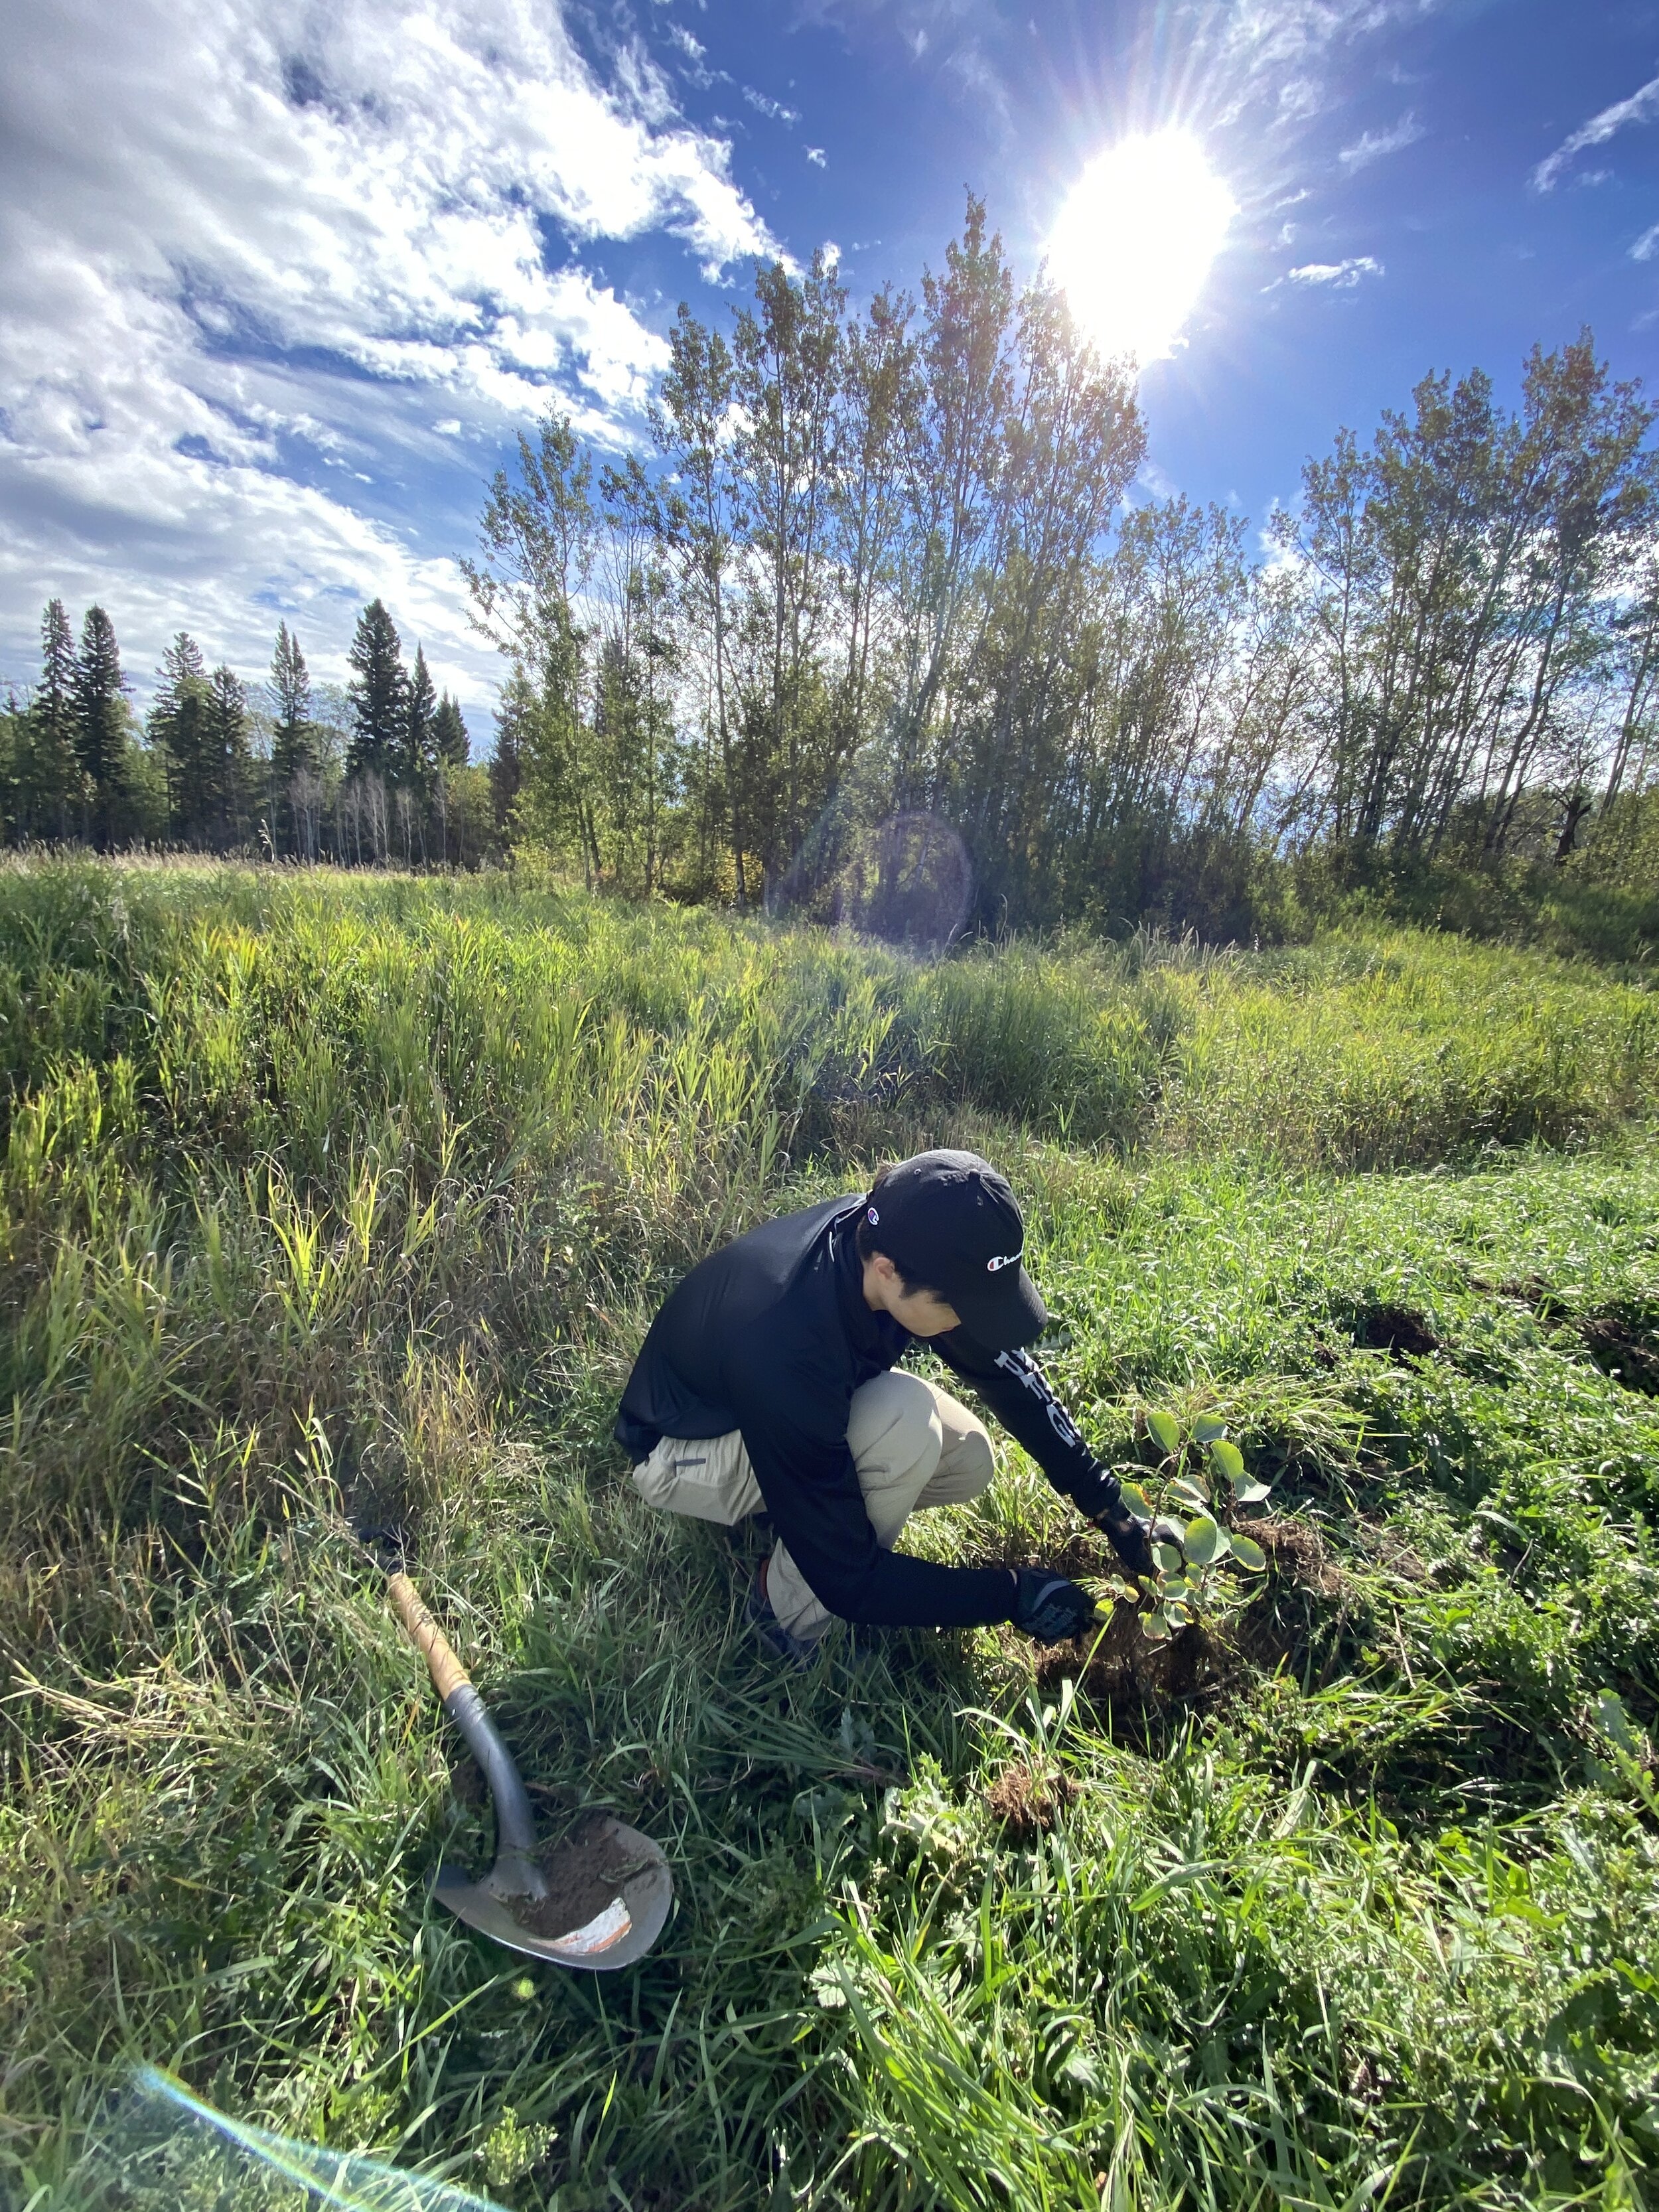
(447, 1671)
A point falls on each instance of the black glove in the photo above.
(1130, 1538)
(1048, 1608)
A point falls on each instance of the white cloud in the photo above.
(239, 240)
(1372, 145)
(773, 110)
(1647, 246)
(1282, 33)
(1299, 97)
(1341, 275)
(1641, 106)
(817, 157)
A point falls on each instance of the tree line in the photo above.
(376, 770)
(880, 597)
(878, 624)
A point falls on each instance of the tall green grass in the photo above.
(334, 1196)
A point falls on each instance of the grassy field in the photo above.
(335, 1195)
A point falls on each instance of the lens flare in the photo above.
(1135, 241)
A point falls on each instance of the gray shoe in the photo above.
(799, 1651)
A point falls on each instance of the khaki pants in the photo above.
(912, 1446)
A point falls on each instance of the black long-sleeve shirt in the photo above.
(771, 1335)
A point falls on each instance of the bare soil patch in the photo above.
(1623, 1347)
(1028, 1801)
(1296, 1553)
(1396, 1330)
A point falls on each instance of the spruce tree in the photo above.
(51, 784)
(227, 733)
(449, 736)
(379, 693)
(294, 738)
(100, 723)
(14, 762)
(414, 772)
(179, 730)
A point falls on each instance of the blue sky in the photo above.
(281, 278)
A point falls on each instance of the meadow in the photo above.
(336, 1201)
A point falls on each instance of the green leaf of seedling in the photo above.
(1154, 1628)
(1203, 1541)
(1226, 1459)
(1137, 1501)
(1175, 1613)
(1209, 1428)
(1193, 1495)
(1249, 1554)
(1168, 1558)
(1251, 1492)
(1165, 1430)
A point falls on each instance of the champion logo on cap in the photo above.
(1006, 1259)
(872, 1216)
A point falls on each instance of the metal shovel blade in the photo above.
(598, 1900)
(525, 1902)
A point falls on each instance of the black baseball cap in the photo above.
(948, 1219)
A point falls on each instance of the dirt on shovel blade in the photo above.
(584, 1873)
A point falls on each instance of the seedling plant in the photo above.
(1201, 1476)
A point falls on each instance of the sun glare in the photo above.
(1135, 240)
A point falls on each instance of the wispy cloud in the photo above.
(695, 59)
(1641, 107)
(1299, 98)
(817, 157)
(1340, 276)
(1373, 145)
(1647, 246)
(1280, 50)
(773, 110)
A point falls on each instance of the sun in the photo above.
(1135, 240)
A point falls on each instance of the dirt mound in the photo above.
(1296, 1551)
(1624, 1344)
(1396, 1330)
(1127, 1671)
(1027, 1800)
(584, 1873)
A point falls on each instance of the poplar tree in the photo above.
(536, 538)
(787, 359)
(514, 717)
(700, 524)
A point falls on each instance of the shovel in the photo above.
(598, 1901)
